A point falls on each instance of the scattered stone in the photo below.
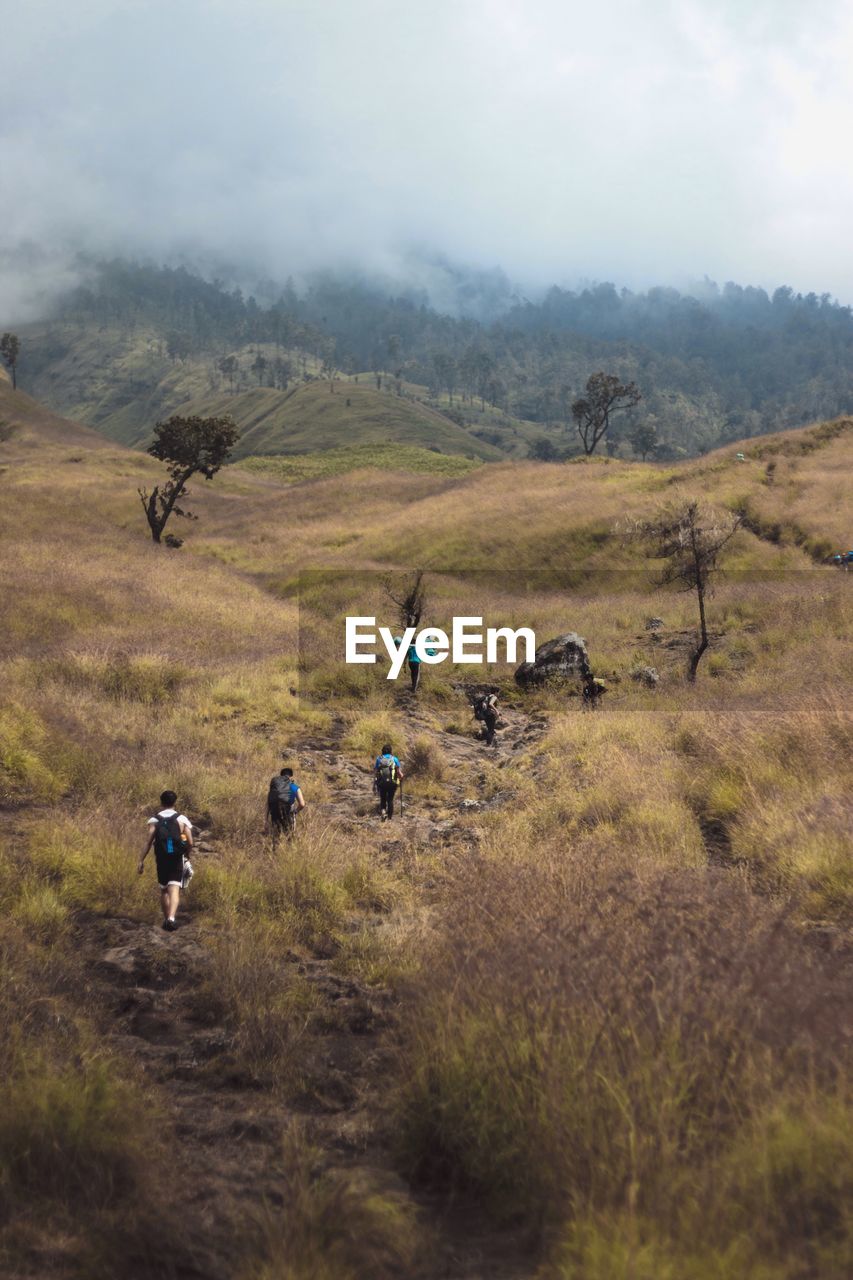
(647, 676)
(654, 624)
(563, 658)
(470, 806)
(124, 960)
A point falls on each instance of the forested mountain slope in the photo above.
(714, 366)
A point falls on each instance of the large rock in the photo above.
(564, 658)
(647, 676)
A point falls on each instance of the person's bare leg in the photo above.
(174, 895)
(164, 902)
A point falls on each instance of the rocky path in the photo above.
(228, 1133)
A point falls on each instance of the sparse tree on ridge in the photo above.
(187, 446)
(10, 346)
(283, 371)
(228, 367)
(485, 367)
(329, 368)
(259, 367)
(445, 372)
(605, 395)
(178, 345)
(689, 540)
(394, 351)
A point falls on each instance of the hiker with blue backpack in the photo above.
(387, 777)
(284, 801)
(171, 834)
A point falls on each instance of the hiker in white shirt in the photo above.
(171, 834)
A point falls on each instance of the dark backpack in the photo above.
(167, 835)
(282, 795)
(386, 770)
(486, 703)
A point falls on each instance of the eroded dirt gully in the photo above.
(228, 1148)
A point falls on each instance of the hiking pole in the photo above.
(401, 797)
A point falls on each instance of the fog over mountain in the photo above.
(636, 142)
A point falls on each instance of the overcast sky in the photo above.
(639, 141)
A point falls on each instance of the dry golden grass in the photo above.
(642, 1071)
(126, 668)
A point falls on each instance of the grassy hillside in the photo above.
(312, 417)
(581, 1013)
(122, 381)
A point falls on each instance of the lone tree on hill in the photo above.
(689, 539)
(187, 446)
(605, 395)
(10, 346)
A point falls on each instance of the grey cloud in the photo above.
(641, 142)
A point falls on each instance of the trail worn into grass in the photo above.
(227, 1131)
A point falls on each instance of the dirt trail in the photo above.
(228, 1133)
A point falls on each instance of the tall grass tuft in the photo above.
(337, 1226)
(578, 1050)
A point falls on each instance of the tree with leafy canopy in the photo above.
(689, 539)
(10, 346)
(644, 438)
(605, 395)
(544, 450)
(187, 446)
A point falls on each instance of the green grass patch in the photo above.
(379, 457)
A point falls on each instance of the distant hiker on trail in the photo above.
(414, 662)
(284, 801)
(593, 690)
(414, 667)
(486, 710)
(171, 834)
(387, 776)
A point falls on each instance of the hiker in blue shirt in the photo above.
(414, 662)
(414, 667)
(387, 776)
(284, 801)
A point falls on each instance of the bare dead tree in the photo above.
(689, 540)
(410, 599)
